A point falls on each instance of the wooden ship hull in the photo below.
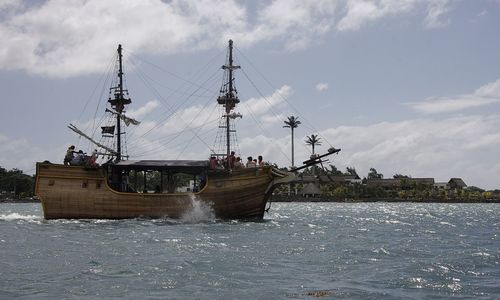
(77, 192)
(90, 191)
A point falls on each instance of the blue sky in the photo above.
(407, 86)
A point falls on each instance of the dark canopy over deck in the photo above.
(184, 166)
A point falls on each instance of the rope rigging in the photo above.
(190, 93)
(173, 110)
(290, 104)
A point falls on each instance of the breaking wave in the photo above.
(19, 217)
(199, 211)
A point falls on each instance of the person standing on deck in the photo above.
(250, 163)
(69, 155)
(238, 164)
(93, 158)
(230, 160)
(79, 159)
(260, 162)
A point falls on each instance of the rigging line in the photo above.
(272, 86)
(100, 97)
(141, 75)
(94, 127)
(192, 138)
(109, 75)
(192, 120)
(143, 145)
(165, 144)
(165, 137)
(264, 97)
(179, 132)
(262, 128)
(277, 115)
(173, 112)
(157, 150)
(95, 88)
(190, 98)
(175, 75)
(180, 144)
(172, 90)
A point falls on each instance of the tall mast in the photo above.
(119, 103)
(229, 97)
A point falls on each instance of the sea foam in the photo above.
(198, 212)
(17, 216)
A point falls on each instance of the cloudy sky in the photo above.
(404, 86)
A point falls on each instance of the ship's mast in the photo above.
(118, 103)
(229, 97)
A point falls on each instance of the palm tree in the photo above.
(313, 140)
(292, 123)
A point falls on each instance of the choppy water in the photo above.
(300, 251)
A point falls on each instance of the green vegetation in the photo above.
(292, 123)
(313, 140)
(14, 184)
(336, 185)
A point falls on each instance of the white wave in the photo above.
(199, 212)
(380, 250)
(447, 223)
(484, 254)
(16, 217)
(397, 222)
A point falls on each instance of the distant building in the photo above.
(310, 190)
(441, 186)
(457, 184)
(400, 183)
(323, 179)
(389, 183)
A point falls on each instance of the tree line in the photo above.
(408, 190)
(15, 183)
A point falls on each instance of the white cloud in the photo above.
(436, 14)
(423, 148)
(144, 110)
(7, 6)
(194, 127)
(441, 149)
(299, 23)
(259, 106)
(487, 94)
(11, 156)
(360, 12)
(271, 120)
(68, 38)
(320, 87)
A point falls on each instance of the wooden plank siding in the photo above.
(72, 192)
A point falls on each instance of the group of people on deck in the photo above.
(78, 158)
(233, 162)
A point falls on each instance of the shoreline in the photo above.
(395, 200)
(323, 200)
(24, 200)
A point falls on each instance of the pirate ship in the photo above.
(119, 189)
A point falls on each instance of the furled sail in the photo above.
(124, 118)
(78, 131)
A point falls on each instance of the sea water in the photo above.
(299, 251)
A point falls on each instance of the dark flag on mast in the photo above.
(108, 130)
